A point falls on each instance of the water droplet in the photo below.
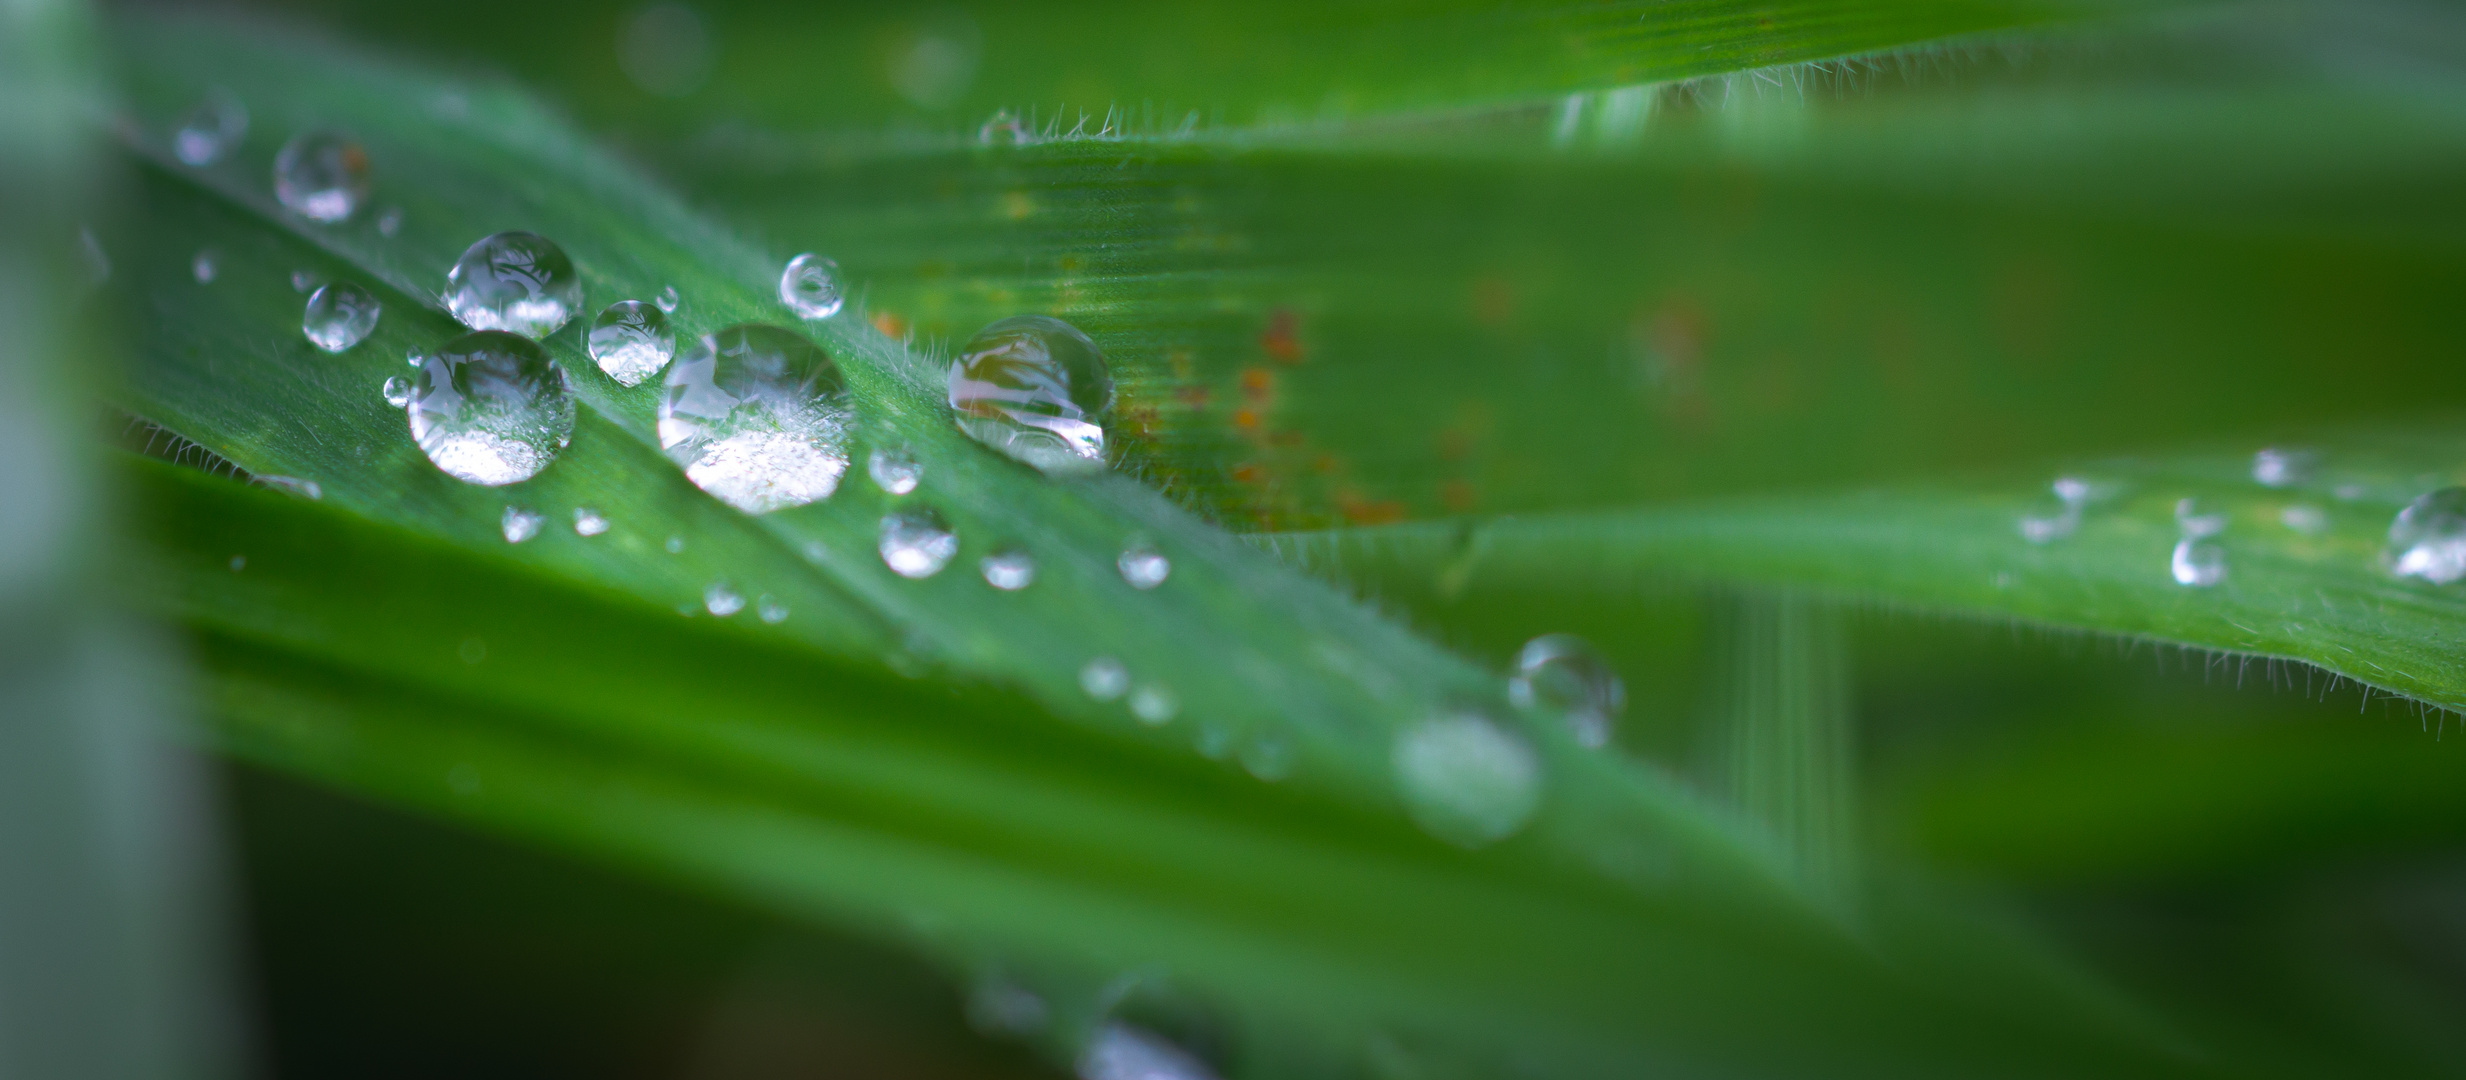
(631, 341)
(2196, 525)
(2071, 501)
(321, 175)
(2428, 539)
(2305, 518)
(1144, 567)
(759, 417)
(2277, 468)
(1104, 678)
(771, 610)
(1002, 129)
(588, 522)
(1268, 757)
(389, 222)
(306, 281)
(1465, 779)
(210, 129)
(397, 391)
(490, 408)
(1000, 1007)
(2197, 563)
(1119, 1051)
(519, 524)
(895, 469)
(340, 316)
(810, 286)
(1036, 389)
(916, 543)
(676, 545)
(1215, 741)
(1009, 570)
(289, 485)
(515, 281)
(721, 600)
(1562, 674)
(667, 300)
(1155, 704)
(205, 266)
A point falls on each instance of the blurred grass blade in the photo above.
(1785, 745)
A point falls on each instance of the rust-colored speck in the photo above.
(1250, 473)
(1494, 300)
(1286, 438)
(1324, 464)
(891, 326)
(1182, 362)
(1258, 384)
(1460, 496)
(1246, 419)
(1361, 511)
(1282, 338)
(1193, 398)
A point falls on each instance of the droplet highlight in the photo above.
(2277, 467)
(519, 524)
(771, 610)
(2197, 563)
(759, 417)
(1155, 704)
(1118, 1051)
(1465, 779)
(1104, 678)
(631, 341)
(518, 282)
(917, 543)
(1562, 674)
(2428, 538)
(810, 287)
(1037, 390)
(895, 469)
(1009, 570)
(205, 266)
(721, 600)
(289, 485)
(340, 316)
(210, 129)
(490, 408)
(321, 175)
(1144, 567)
(589, 522)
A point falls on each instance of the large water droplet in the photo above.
(211, 129)
(758, 416)
(631, 341)
(340, 316)
(321, 175)
(1155, 704)
(1036, 389)
(916, 543)
(589, 522)
(1465, 779)
(2197, 563)
(1561, 673)
(490, 408)
(1009, 570)
(2428, 539)
(205, 266)
(519, 524)
(721, 600)
(1144, 567)
(1104, 678)
(810, 287)
(516, 281)
(895, 469)
(397, 391)
(2276, 467)
(1118, 1051)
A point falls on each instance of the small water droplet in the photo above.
(721, 600)
(1003, 129)
(1009, 570)
(676, 545)
(1215, 741)
(916, 543)
(2050, 524)
(205, 266)
(519, 524)
(816, 550)
(2197, 563)
(1144, 567)
(2305, 518)
(666, 300)
(759, 417)
(321, 175)
(340, 316)
(306, 281)
(1036, 389)
(2197, 525)
(998, 1006)
(389, 222)
(398, 391)
(1562, 674)
(810, 286)
(2428, 539)
(490, 408)
(588, 522)
(210, 129)
(631, 341)
(771, 610)
(2276, 467)
(289, 485)
(895, 469)
(514, 281)
(1155, 704)
(1465, 779)
(1268, 757)
(239, 563)
(1118, 1051)
(1104, 678)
